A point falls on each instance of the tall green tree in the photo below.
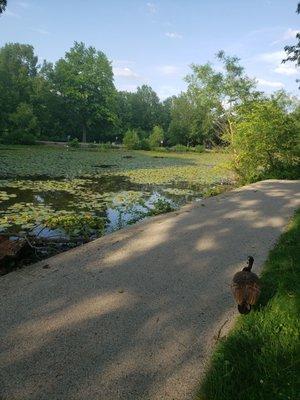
(125, 111)
(182, 116)
(146, 108)
(84, 80)
(166, 109)
(49, 107)
(18, 69)
(216, 94)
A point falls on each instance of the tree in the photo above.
(84, 80)
(3, 4)
(216, 94)
(293, 52)
(24, 126)
(18, 69)
(156, 137)
(166, 109)
(146, 108)
(264, 143)
(124, 110)
(131, 140)
(182, 115)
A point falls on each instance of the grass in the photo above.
(260, 359)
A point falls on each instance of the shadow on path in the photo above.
(132, 315)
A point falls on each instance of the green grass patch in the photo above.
(260, 359)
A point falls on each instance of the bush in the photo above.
(74, 143)
(144, 144)
(19, 137)
(199, 148)
(131, 140)
(179, 148)
(156, 137)
(263, 141)
(105, 146)
(161, 149)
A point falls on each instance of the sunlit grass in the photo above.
(260, 359)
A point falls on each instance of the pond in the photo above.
(57, 199)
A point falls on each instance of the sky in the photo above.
(155, 42)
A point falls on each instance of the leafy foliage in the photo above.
(24, 126)
(264, 142)
(156, 137)
(131, 140)
(74, 143)
(84, 79)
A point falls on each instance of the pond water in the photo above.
(54, 213)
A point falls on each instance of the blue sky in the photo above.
(154, 42)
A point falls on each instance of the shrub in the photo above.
(179, 148)
(161, 149)
(263, 141)
(19, 137)
(199, 148)
(156, 137)
(105, 146)
(131, 140)
(74, 143)
(144, 144)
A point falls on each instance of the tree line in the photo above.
(76, 98)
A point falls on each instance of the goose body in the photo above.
(246, 288)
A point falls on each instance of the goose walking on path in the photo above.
(246, 288)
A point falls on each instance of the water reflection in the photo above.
(27, 206)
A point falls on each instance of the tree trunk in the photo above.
(83, 133)
(231, 134)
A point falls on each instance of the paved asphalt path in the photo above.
(134, 315)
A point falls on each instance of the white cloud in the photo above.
(125, 72)
(168, 69)
(167, 91)
(41, 31)
(288, 34)
(271, 84)
(275, 59)
(173, 35)
(272, 57)
(286, 69)
(152, 9)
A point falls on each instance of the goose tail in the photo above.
(244, 308)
